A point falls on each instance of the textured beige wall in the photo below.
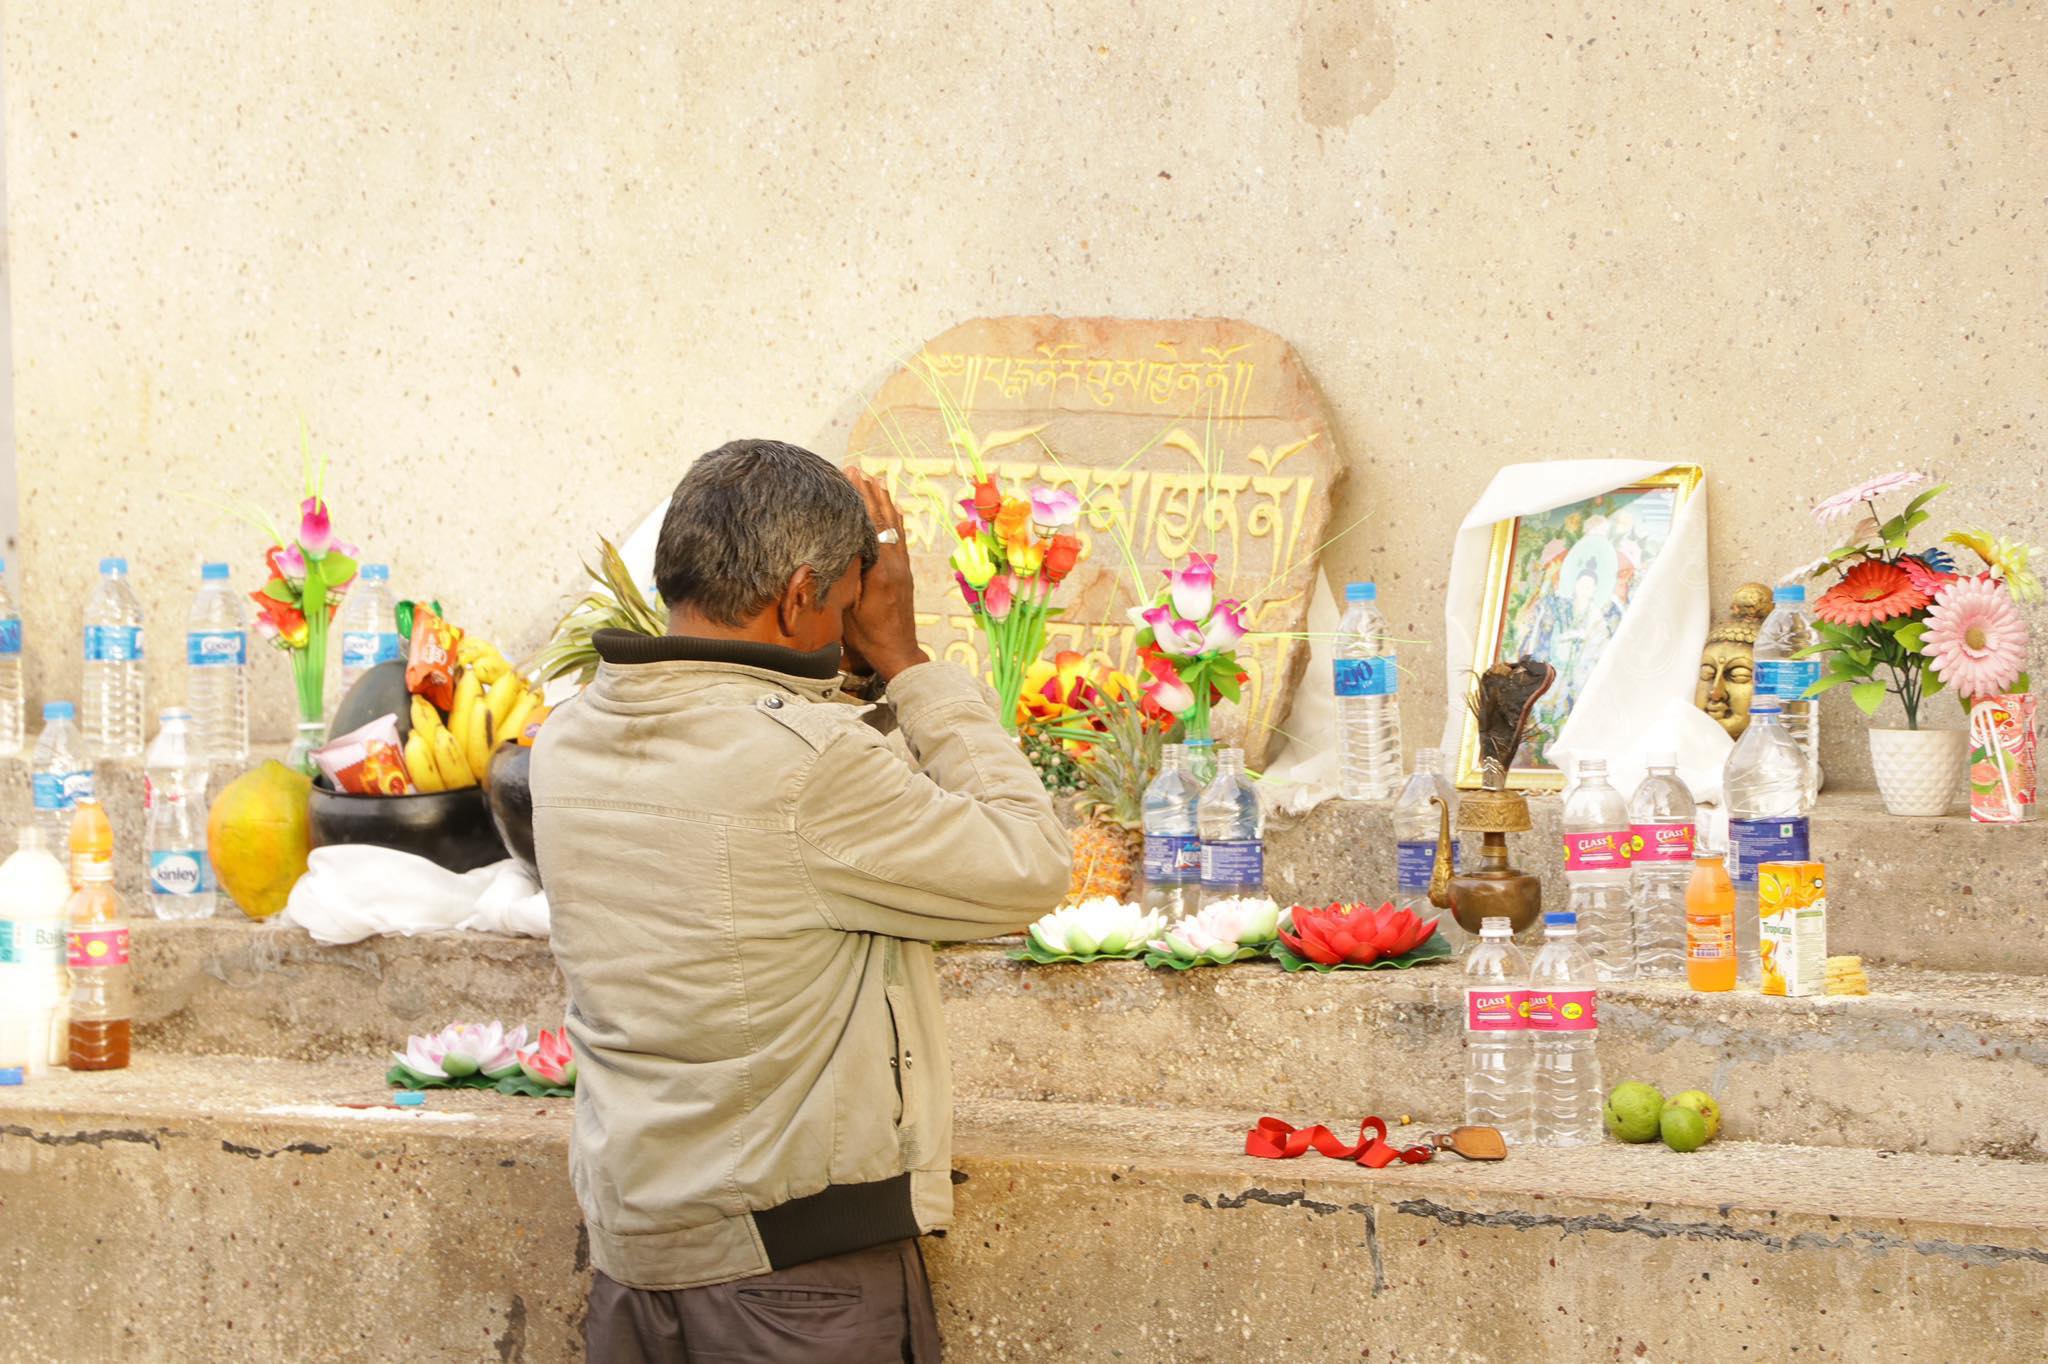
(515, 262)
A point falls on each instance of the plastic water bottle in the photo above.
(217, 668)
(1765, 785)
(1661, 835)
(35, 992)
(1782, 678)
(1233, 832)
(1596, 875)
(102, 996)
(1416, 822)
(369, 631)
(1564, 1031)
(1368, 701)
(13, 719)
(62, 772)
(174, 799)
(113, 665)
(1496, 1038)
(1173, 844)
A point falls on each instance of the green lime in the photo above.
(1631, 1111)
(1704, 1104)
(1684, 1129)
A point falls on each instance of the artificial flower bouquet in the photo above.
(487, 1056)
(1012, 553)
(1187, 641)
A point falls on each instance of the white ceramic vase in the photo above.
(1919, 771)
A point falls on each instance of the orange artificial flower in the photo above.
(1061, 556)
(1012, 524)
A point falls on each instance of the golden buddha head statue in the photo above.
(1727, 679)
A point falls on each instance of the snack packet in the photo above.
(430, 670)
(367, 761)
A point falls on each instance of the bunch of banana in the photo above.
(491, 706)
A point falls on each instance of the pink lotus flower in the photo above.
(1975, 637)
(1052, 508)
(464, 1049)
(1225, 628)
(999, 596)
(550, 1061)
(316, 531)
(1169, 631)
(1830, 509)
(1192, 589)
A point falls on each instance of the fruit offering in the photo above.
(1636, 1112)
(488, 703)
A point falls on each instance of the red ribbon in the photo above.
(1273, 1139)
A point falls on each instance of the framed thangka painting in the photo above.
(1558, 584)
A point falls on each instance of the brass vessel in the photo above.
(1493, 889)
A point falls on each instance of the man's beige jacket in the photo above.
(745, 879)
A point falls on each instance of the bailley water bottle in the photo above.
(1765, 786)
(1564, 1030)
(12, 718)
(1368, 703)
(1596, 875)
(113, 665)
(1661, 835)
(1233, 830)
(1781, 677)
(217, 668)
(1173, 844)
(369, 632)
(174, 797)
(1497, 1065)
(1416, 823)
(62, 772)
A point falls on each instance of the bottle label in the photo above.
(1786, 678)
(1754, 842)
(1594, 852)
(1561, 1010)
(9, 956)
(217, 648)
(1709, 937)
(10, 637)
(1172, 859)
(1660, 842)
(368, 648)
(77, 787)
(179, 873)
(1415, 862)
(113, 643)
(60, 790)
(1234, 863)
(1367, 676)
(37, 943)
(93, 947)
(1493, 1011)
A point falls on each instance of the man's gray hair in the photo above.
(746, 517)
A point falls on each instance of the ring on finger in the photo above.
(888, 537)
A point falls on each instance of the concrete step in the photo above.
(247, 1213)
(1944, 893)
(1934, 1061)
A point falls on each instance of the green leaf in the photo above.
(1038, 956)
(2022, 684)
(1933, 686)
(1923, 499)
(279, 590)
(1830, 682)
(1912, 634)
(1868, 696)
(519, 1083)
(1226, 682)
(336, 569)
(1157, 960)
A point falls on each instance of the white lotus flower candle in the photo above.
(1220, 931)
(1102, 926)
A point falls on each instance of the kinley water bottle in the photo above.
(112, 717)
(369, 633)
(1782, 678)
(1496, 1037)
(13, 718)
(1368, 703)
(1173, 844)
(63, 773)
(174, 796)
(217, 668)
(1660, 847)
(1596, 835)
(1564, 1031)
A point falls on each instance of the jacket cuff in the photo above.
(926, 687)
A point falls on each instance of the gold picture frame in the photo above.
(1601, 546)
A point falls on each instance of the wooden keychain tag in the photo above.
(1473, 1143)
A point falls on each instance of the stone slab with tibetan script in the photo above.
(1199, 435)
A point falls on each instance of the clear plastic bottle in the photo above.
(1497, 1065)
(1233, 830)
(1782, 678)
(174, 798)
(1416, 823)
(62, 774)
(368, 629)
(1173, 843)
(1564, 1024)
(1368, 700)
(102, 996)
(217, 668)
(112, 708)
(1661, 817)
(35, 991)
(1596, 874)
(1765, 786)
(13, 707)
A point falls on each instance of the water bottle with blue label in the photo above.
(1765, 786)
(217, 668)
(1233, 831)
(174, 840)
(1173, 844)
(368, 629)
(112, 711)
(1784, 679)
(1416, 823)
(1368, 701)
(62, 773)
(13, 720)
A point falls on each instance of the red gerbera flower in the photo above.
(1872, 591)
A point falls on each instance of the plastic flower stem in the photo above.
(309, 665)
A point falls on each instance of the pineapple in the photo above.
(1119, 764)
(1056, 767)
(616, 603)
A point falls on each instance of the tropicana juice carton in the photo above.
(1792, 918)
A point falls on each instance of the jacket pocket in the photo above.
(904, 1059)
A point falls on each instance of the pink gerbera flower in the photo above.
(1975, 637)
(1924, 576)
(1834, 508)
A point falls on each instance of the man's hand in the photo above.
(882, 626)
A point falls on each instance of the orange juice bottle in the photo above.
(1710, 924)
(101, 998)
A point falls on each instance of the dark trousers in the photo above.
(869, 1307)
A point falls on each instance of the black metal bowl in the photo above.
(511, 801)
(451, 829)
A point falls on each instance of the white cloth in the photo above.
(1307, 769)
(1639, 697)
(353, 891)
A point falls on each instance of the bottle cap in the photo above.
(1354, 592)
(1201, 743)
(176, 714)
(409, 1098)
(374, 573)
(213, 573)
(12, 1075)
(1765, 707)
(113, 566)
(1563, 918)
(57, 710)
(1791, 592)
(1501, 925)
(3, 565)
(1660, 757)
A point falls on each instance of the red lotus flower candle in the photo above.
(1353, 934)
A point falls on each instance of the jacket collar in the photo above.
(624, 646)
(645, 673)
